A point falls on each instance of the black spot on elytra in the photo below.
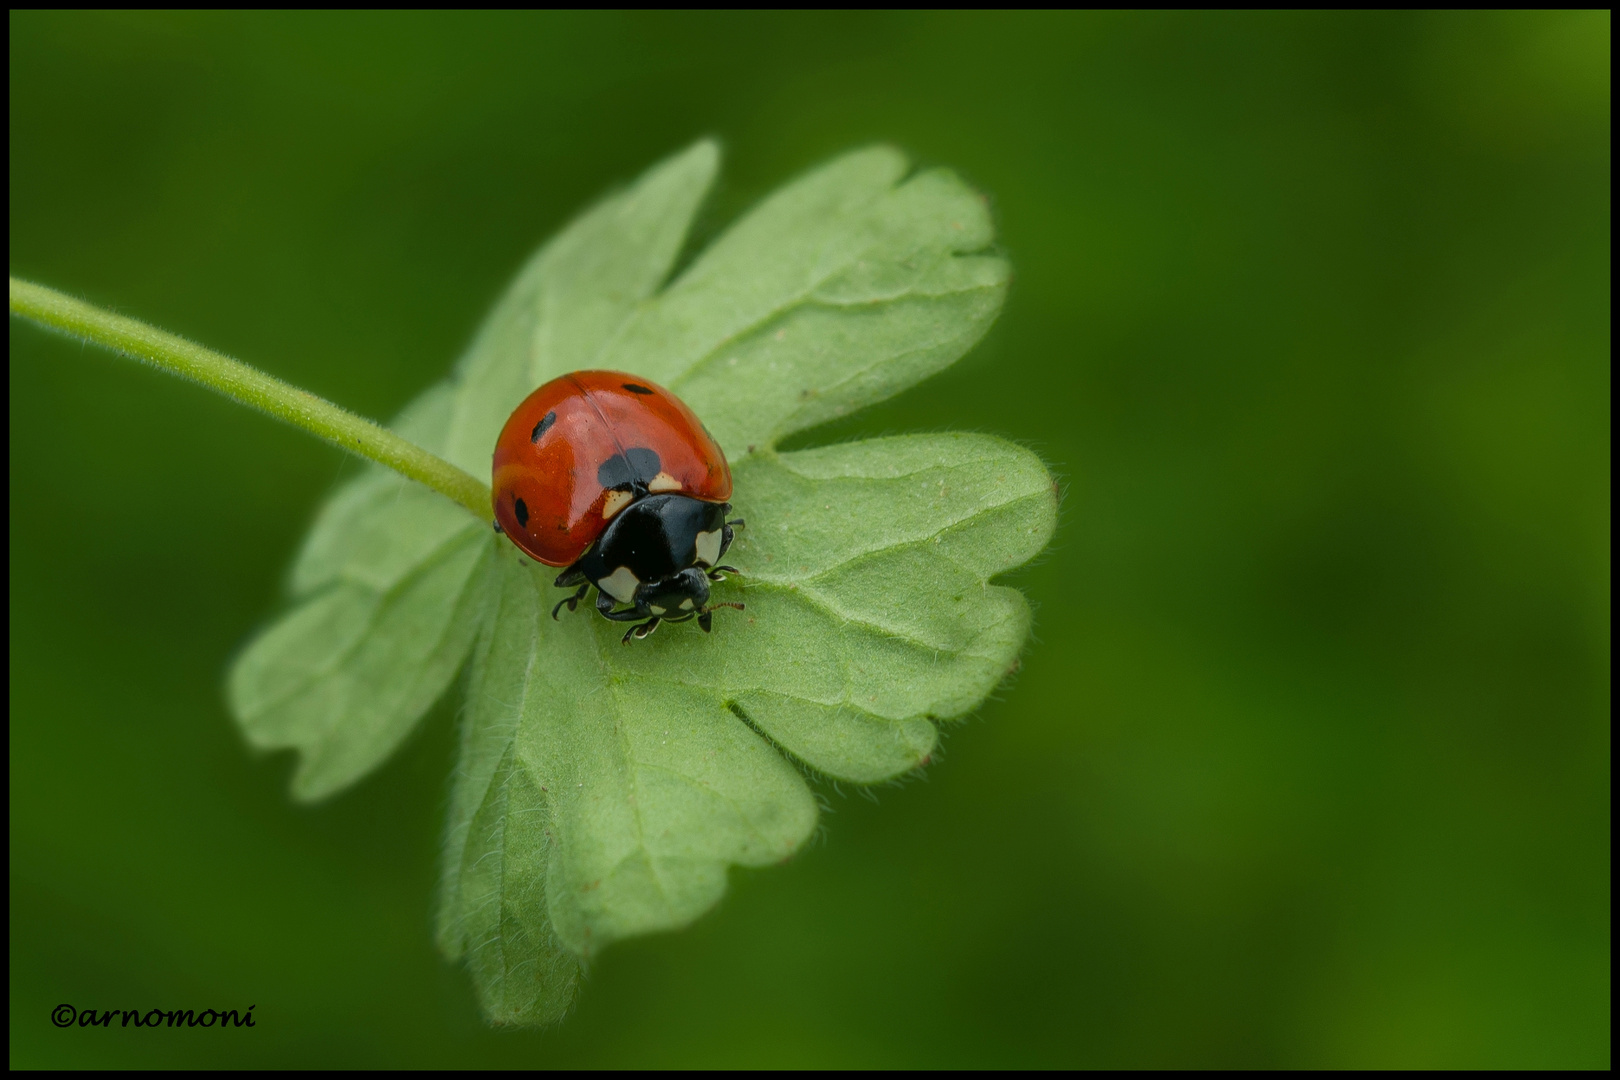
(635, 388)
(632, 469)
(541, 428)
(522, 513)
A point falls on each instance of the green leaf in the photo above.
(602, 791)
(867, 582)
(390, 587)
(391, 580)
(840, 290)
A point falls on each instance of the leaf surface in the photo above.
(602, 791)
(377, 633)
(389, 590)
(843, 288)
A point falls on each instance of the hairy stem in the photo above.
(251, 387)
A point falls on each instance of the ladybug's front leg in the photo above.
(727, 533)
(604, 604)
(718, 573)
(572, 601)
(640, 630)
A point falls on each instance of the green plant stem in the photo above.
(251, 387)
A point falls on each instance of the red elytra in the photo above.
(585, 445)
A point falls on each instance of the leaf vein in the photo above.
(795, 301)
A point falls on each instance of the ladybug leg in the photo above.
(604, 607)
(571, 601)
(640, 630)
(727, 534)
(718, 573)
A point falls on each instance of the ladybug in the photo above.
(614, 478)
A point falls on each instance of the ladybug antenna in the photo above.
(706, 614)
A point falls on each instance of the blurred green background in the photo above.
(1308, 762)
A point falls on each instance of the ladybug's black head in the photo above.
(678, 596)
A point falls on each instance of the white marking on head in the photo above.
(663, 482)
(616, 501)
(686, 605)
(621, 585)
(655, 609)
(708, 547)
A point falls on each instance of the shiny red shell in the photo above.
(548, 486)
